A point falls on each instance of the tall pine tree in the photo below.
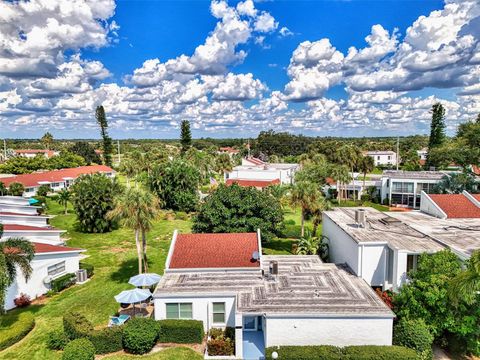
(437, 132)
(185, 136)
(107, 145)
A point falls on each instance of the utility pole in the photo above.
(118, 150)
(5, 149)
(398, 151)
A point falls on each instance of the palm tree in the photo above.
(305, 195)
(366, 164)
(63, 198)
(322, 205)
(136, 209)
(466, 285)
(348, 155)
(341, 175)
(15, 253)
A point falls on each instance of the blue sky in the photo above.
(352, 68)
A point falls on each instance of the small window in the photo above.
(219, 312)
(179, 311)
(411, 263)
(56, 269)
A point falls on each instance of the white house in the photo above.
(403, 188)
(422, 154)
(383, 157)
(14, 200)
(24, 219)
(224, 280)
(257, 170)
(56, 179)
(50, 262)
(45, 235)
(376, 246)
(19, 209)
(31, 153)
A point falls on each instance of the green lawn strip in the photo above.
(178, 353)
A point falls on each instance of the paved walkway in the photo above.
(253, 345)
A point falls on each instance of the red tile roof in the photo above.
(476, 169)
(229, 150)
(200, 251)
(31, 180)
(15, 227)
(456, 205)
(254, 183)
(476, 196)
(46, 248)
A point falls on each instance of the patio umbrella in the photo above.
(33, 201)
(133, 296)
(147, 279)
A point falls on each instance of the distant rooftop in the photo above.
(456, 205)
(380, 152)
(254, 183)
(428, 175)
(383, 228)
(304, 285)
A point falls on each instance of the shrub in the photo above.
(230, 332)
(216, 333)
(16, 189)
(79, 349)
(220, 346)
(14, 327)
(365, 197)
(414, 334)
(57, 340)
(140, 335)
(181, 215)
(289, 222)
(43, 190)
(76, 325)
(324, 352)
(63, 282)
(181, 331)
(88, 267)
(107, 340)
(379, 353)
(22, 301)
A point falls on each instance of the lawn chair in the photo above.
(118, 320)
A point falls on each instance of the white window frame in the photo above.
(61, 265)
(178, 310)
(224, 313)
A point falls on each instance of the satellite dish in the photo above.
(255, 255)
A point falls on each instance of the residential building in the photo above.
(46, 235)
(228, 150)
(258, 184)
(14, 200)
(422, 155)
(24, 219)
(255, 169)
(403, 188)
(19, 209)
(224, 280)
(31, 153)
(384, 158)
(56, 179)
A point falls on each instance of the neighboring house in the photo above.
(357, 186)
(46, 235)
(383, 158)
(224, 280)
(228, 150)
(19, 209)
(50, 262)
(31, 153)
(258, 184)
(452, 206)
(422, 155)
(56, 179)
(14, 200)
(24, 219)
(255, 169)
(403, 188)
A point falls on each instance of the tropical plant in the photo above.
(456, 184)
(239, 209)
(312, 245)
(437, 132)
(15, 254)
(341, 175)
(47, 140)
(92, 198)
(3, 189)
(321, 206)
(16, 189)
(466, 285)
(366, 164)
(107, 145)
(136, 209)
(43, 190)
(63, 197)
(223, 163)
(87, 151)
(348, 155)
(306, 196)
(185, 135)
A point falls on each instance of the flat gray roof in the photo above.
(383, 228)
(427, 175)
(460, 235)
(303, 286)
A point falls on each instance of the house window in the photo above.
(378, 158)
(56, 269)
(411, 263)
(218, 312)
(389, 157)
(55, 184)
(179, 311)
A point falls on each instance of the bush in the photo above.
(220, 347)
(415, 335)
(181, 215)
(88, 267)
(22, 301)
(181, 331)
(14, 327)
(79, 349)
(327, 352)
(216, 333)
(289, 222)
(365, 197)
(63, 282)
(140, 335)
(76, 326)
(57, 340)
(107, 340)
(43, 190)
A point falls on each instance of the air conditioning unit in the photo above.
(47, 280)
(81, 275)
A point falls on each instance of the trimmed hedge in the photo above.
(327, 352)
(415, 335)
(220, 347)
(181, 331)
(88, 267)
(57, 340)
(63, 282)
(79, 349)
(76, 325)
(14, 327)
(140, 335)
(107, 340)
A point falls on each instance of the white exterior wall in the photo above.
(21, 209)
(202, 307)
(40, 221)
(14, 200)
(35, 285)
(373, 264)
(337, 331)
(45, 237)
(384, 159)
(428, 206)
(342, 248)
(399, 269)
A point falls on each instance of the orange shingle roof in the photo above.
(254, 183)
(456, 205)
(199, 251)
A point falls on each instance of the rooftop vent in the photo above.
(360, 217)
(273, 267)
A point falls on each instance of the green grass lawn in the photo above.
(114, 257)
(178, 353)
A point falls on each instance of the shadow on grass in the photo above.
(279, 245)
(12, 316)
(126, 269)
